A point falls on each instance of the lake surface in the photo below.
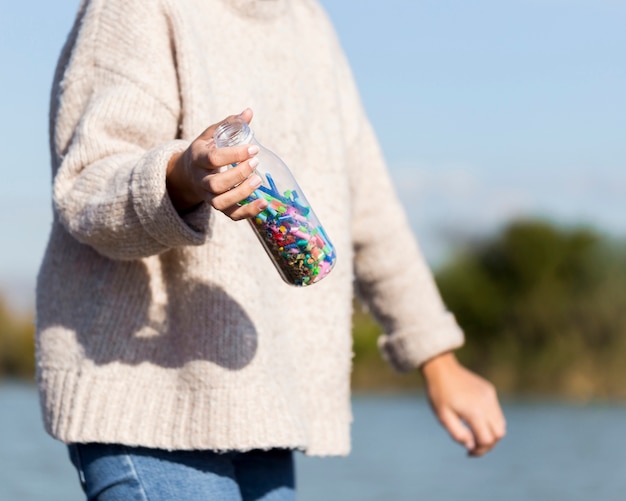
(553, 452)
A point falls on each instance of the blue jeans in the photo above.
(116, 473)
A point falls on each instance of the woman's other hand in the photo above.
(465, 404)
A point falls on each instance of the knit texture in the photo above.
(177, 332)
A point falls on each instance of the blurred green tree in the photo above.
(17, 344)
(543, 308)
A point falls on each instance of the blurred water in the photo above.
(553, 452)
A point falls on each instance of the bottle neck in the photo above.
(232, 132)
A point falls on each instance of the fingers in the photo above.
(239, 212)
(485, 439)
(222, 182)
(488, 428)
(235, 195)
(224, 190)
(207, 156)
(246, 115)
(490, 425)
(475, 433)
(457, 429)
(230, 155)
(498, 421)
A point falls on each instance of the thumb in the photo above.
(247, 115)
(457, 428)
(207, 135)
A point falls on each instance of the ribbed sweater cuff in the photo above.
(154, 207)
(408, 349)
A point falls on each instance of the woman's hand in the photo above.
(465, 404)
(194, 176)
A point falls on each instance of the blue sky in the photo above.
(486, 111)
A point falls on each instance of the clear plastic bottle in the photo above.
(288, 228)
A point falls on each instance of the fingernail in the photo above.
(254, 181)
(253, 163)
(262, 204)
(253, 150)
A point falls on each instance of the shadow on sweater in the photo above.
(146, 311)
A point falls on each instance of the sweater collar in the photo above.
(264, 9)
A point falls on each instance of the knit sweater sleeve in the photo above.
(114, 124)
(392, 277)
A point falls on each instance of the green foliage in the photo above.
(543, 309)
(17, 344)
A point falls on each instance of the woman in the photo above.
(172, 358)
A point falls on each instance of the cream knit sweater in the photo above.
(177, 332)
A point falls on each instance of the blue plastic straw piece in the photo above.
(273, 185)
(266, 190)
(273, 193)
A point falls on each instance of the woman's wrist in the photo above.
(438, 364)
(178, 186)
